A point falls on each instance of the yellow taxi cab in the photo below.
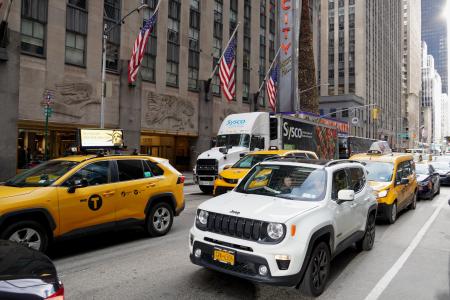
(393, 178)
(229, 178)
(75, 195)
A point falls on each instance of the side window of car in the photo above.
(340, 182)
(153, 168)
(95, 174)
(400, 172)
(130, 169)
(407, 169)
(357, 179)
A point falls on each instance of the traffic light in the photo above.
(375, 113)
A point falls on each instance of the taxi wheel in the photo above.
(413, 204)
(206, 189)
(159, 220)
(391, 213)
(27, 233)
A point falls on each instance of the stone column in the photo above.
(9, 102)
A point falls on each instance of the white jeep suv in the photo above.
(285, 222)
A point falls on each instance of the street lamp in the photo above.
(106, 31)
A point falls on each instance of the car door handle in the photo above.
(353, 204)
(151, 185)
(107, 194)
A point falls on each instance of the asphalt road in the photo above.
(410, 260)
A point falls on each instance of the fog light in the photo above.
(263, 270)
(198, 253)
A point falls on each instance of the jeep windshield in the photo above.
(288, 182)
(379, 171)
(232, 140)
(248, 161)
(42, 175)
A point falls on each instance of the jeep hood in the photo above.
(257, 207)
(9, 191)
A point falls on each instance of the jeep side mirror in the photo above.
(404, 181)
(81, 184)
(346, 195)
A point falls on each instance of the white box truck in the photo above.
(241, 133)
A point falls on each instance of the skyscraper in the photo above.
(434, 33)
(359, 58)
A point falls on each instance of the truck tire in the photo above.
(318, 271)
(206, 189)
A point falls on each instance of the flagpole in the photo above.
(107, 30)
(223, 52)
(268, 72)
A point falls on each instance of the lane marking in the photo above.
(383, 283)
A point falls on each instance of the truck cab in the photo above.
(238, 134)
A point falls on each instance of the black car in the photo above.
(443, 168)
(27, 274)
(428, 181)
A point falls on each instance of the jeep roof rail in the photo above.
(340, 161)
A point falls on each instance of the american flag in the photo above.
(271, 87)
(139, 46)
(227, 71)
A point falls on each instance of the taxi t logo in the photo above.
(95, 202)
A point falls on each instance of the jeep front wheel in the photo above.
(317, 273)
(159, 220)
(366, 243)
(28, 233)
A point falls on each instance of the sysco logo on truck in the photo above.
(292, 132)
(236, 123)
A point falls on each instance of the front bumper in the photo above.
(424, 191)
(246, 266)
(249, 255)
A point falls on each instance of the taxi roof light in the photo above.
(380, 147)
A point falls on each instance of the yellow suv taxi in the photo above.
(79, 194)
(229, 178)
(393, 178)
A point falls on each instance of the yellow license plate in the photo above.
(224, 256)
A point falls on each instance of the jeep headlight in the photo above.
(202, 219)
(382, 194)
(275, 231)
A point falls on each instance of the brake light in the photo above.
(59, 295)
(181, 179)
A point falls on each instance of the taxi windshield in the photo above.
(379, 171)
(288, 182)
(42, 175)
(248, 161)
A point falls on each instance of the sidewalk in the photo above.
(189, 178)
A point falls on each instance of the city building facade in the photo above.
(434, 33)
(56, 47)
(359, 53)
(431, 98)
(411, 73)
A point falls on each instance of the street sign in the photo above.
(355, 120)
